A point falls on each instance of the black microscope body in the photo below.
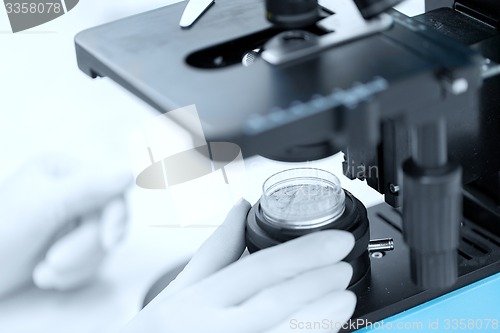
(414, 106)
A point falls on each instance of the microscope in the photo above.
(413, 103)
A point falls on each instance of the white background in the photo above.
(46, 105)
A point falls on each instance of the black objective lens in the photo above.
(292, 14)
(372, 8)
(297, 202)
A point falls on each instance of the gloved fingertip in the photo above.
(238, 213)
(243, 202)
(351, 296)
(47, 277)
(43, 276)
(340, 238)
(351, 301)
(114, 224)
(345, 268)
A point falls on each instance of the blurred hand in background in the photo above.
(58, 220)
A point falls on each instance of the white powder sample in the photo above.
(296, 201)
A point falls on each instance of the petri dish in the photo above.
(302, 198)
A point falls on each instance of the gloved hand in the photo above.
(58, 219)
(272, 290)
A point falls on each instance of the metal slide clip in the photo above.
(193, 11)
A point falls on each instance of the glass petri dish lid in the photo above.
(302, 198)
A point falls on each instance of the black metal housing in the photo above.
(260, 234)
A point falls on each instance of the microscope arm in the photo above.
(431, 186)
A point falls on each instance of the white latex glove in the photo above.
(58, 219)
(301, 280)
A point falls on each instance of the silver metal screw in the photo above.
(377, 255)
(456, 86)
(394, 188)
(384, 244)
